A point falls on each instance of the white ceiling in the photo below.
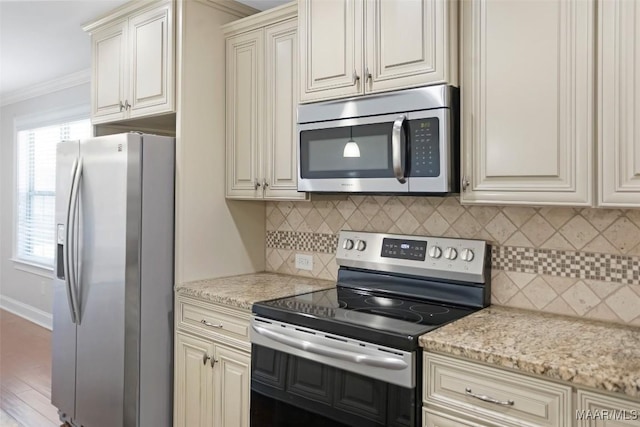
(42, 40)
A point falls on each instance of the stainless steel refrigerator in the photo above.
(113, 284)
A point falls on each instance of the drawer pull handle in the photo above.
(211, 325)
(488, 398)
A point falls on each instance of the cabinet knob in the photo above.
(256, 185)
(465, 183)
(213, 361)
(368, 75)
(265, 183)
(356, 77)
(127, 106)
(205, 357)
(122, 107)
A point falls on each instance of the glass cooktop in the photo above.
(369, 316)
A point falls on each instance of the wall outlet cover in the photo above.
(304, 262)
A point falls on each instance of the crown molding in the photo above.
(44, 88)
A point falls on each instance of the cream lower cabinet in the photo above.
(619, 103)
(459, 392)
(212, 365)
(597, 410)
(133, 62)
(357, 47)
(262, 100)
(527, 120)
(480, 395)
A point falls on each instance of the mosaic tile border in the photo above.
(302, 241)
(576, 265)
(572, 264)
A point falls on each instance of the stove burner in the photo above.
(382, 302)
(431, 310)
(394, 313)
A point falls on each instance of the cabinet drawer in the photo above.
(436, 419)
(212, 319)
(502, 397)
(598, 410)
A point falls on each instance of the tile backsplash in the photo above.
(579, 262)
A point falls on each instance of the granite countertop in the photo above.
(242, 291)
(595, 354)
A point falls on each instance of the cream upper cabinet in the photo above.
(410, 43)
(356, 47)
(527, 102)
(280, 143)
(109, 47)
(262, 97)
(619, 103)
(331, 48)
(244, 114)
(133, 64)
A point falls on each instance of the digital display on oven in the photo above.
(415, 250)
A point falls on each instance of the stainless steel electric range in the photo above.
(349, 356)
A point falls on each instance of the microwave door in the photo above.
(431, 157)
(360, 155)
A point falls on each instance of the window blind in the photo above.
(36, 184)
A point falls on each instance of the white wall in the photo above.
(23, 291)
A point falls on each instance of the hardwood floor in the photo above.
(25, 374)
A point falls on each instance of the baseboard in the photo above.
(26, 311)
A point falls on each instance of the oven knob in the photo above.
(450, 253)
(435, 252)
(361, 245)
(348, 244)
(466, 255)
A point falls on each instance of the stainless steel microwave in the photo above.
(397, 142)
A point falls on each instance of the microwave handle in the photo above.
(396, 149)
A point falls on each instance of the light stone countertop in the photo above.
(244, 290)
(595, 354)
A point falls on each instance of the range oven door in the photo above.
(300, 379)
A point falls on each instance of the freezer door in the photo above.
(109, 200)
(63, 375)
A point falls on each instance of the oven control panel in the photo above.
(438, 257)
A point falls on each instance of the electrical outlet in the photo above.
(304, 262)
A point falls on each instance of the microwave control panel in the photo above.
(424, 135)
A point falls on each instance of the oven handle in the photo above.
(396, 149)
(380, 362)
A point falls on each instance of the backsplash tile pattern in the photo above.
(581, 262)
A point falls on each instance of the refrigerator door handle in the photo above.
(65, 250)
(72, 212)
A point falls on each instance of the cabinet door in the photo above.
(331, 47)
(108, 82)
(193, 382)
(280, 141)
(599, 410)
(619, 103)
(232, 387)
(432, 418)
(244, 114)
(151, 70)
(527, 122)
(410, 43)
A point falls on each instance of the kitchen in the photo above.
(554, 197)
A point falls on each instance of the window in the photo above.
(36, 183)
